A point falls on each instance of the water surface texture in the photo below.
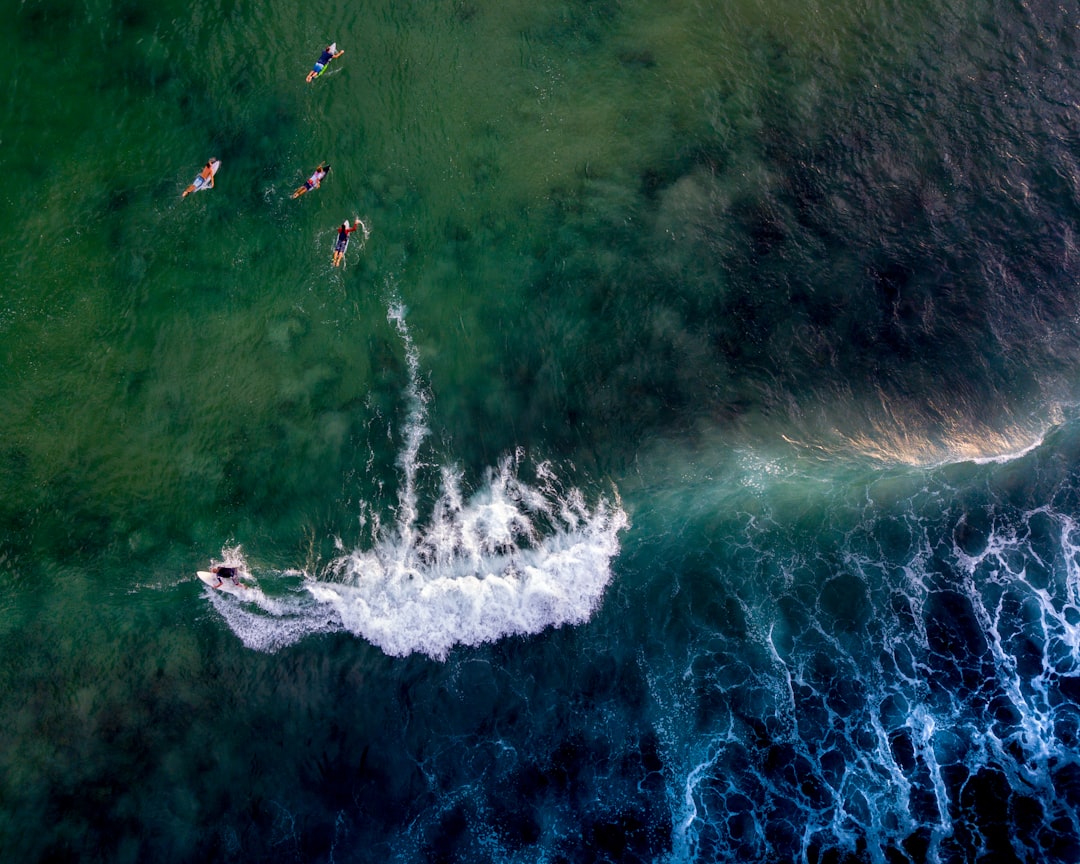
(683, 467)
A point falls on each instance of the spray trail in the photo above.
(415, 429)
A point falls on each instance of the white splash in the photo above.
(479, 570)
(514, 558)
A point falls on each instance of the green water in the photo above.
(176, 371)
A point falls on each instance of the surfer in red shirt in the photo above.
(343, 240)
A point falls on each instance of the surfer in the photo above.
(205, 180)
(329, 53)
(222, 572)
(343, 239)
(313, 181)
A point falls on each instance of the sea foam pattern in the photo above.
(908, 692)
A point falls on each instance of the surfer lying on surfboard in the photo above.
(328, 54)
(313, 181)
(205, 180)
(343, 239)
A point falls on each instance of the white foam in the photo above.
(268, 624)
(512, 558)
(478, 571)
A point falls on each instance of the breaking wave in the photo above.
(512, 558)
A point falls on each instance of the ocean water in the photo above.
(684, 467)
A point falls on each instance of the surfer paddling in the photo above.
(343, 239)
(314, 181)
(329, 53)
(205, 180)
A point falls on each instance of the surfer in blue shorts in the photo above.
(329, 53)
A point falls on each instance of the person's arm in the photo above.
(339, 53)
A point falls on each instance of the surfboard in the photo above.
(226, 585)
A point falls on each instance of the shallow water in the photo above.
(683, 469)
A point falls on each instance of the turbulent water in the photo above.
(683, 467)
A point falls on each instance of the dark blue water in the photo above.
(686, 468)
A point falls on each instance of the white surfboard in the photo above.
(227, 585)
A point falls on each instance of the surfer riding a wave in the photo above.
(222, 572)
